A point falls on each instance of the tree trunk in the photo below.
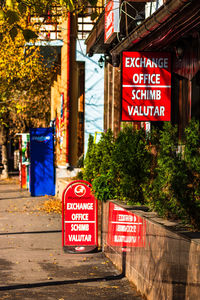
(4, 153)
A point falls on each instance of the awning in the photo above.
(171, 21)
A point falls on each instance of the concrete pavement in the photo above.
(33, 264)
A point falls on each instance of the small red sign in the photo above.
(111, 20)
(79, 217)
(146, 86)
(125, 229)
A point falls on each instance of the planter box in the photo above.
(162, 262)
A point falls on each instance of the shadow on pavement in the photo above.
(30, 232)
(59, 282)
(11, 198)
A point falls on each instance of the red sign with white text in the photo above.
(111, 20)
(79, 217)
(146, 86)
(125, 229)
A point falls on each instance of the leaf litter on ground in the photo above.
(51, 205)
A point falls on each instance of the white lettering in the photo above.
(80, 217)
(125, 239)
(126, 228)
(146, 94)
(109, 19)
(79, 206)
(109, 32)
(80, 238)
(79, 227)
(127, 218)
(156, 111)
(118, 208)
(136, 111)
(151, 108)
(146, 110)
(132, 62)
(130, 110)
(162, 111)
(146, 78)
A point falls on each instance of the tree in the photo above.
(24, 77)
(25, 82)
(13, 12)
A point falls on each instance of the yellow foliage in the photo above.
(52, 205)
(18, 61)
(24, 81)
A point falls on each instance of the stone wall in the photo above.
(161, 261)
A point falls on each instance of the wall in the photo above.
(161, 262)
(112, 96)
(94, 92)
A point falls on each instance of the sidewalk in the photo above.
(33, 264)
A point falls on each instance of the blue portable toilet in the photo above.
(42, 172)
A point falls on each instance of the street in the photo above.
(33, 264)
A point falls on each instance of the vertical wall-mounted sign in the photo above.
(62, 107)
(111, 20)
(79, 218)
(146, 86)
(125, 229)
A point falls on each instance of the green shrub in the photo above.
(161, 194)
(97, 159)
(149, 170)
(171, 192)
(104, 187)
(119, 168)
(130, 164)
(192, 159)
(103, 153)
(79, 175)
(192, 146)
